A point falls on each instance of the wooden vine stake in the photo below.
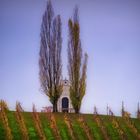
(100, 124)
(69, 125)
(53, 126)
(20, 121)
(127, 119)
(116, 125)
(85, 127)
(38, 124)
(4, 119)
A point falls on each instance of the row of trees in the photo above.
(50, 63)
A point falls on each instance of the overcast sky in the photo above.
(110, 34)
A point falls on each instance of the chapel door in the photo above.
(65, 104)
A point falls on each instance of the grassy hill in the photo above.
(55, 126)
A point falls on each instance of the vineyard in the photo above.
(15, 125)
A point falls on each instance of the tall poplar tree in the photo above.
(77, 63)
(50, 55)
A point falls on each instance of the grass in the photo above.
(14, 125)
(128, 132)
(46, 126)
(136, 124)
(30, 126)
(62, 127)
(2, 131)
(79, 132)
(112, 132)
(96, 132)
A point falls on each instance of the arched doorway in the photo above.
(65, 104)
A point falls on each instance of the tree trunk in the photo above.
(77, 110)
(55, 106)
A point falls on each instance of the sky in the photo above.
(110, 34)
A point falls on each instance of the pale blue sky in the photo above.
(110, 34)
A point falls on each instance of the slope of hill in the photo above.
(56, 126)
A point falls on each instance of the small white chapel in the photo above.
(64, 102)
